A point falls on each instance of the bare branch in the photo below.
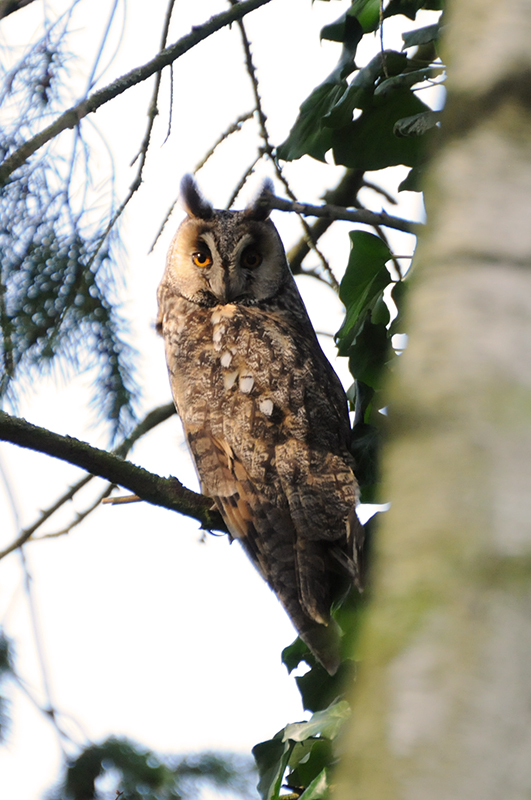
(233, 128)
(269, 150)
(166, 492)
(72, 117)
(150, 421)
(79, 516)
(8, 7)
(338, 212)
(344, 194)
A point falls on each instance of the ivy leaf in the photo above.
(363, 283)
(369, 143)
(308, 136)
(409, 8)
(368, 13)
(307, 762)
(413, 181)
(271, 761)
(326, 723)
(422, 35)
(361, 89)
(319, 788)
(369, 352)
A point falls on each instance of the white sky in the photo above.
(149, 632)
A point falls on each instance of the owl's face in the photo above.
(220, 257)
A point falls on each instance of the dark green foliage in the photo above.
(362, 286)
(309, 135)
(382, 90)
(144, 775)
(304, 751)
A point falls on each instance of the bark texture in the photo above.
(442, 707)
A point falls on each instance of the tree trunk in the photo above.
(442, 707)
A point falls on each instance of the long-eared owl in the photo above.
(264, 414)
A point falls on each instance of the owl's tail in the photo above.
(323, 640)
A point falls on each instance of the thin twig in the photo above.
(50, 714)
(344, 194)
(243, 180)
(380, 190)
(80, 516)
(72, 117)
(142, 153)
(34, 620)
(121, 499)
(269, 150)
(153, 106)
(234, 127)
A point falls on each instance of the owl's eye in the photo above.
(251, 258)
(202, 259)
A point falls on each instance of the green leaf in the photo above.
(318, 789)
(421, 36)
(365, 279)
(271, 760)
(369, 352)
(308, 136)
(369, 143)
(323, 723)
(346, 29)
(413, 181)
(368, 13)
(365, 446)
(307, 762)
(398, 295)
(409, 8)
(361, 89)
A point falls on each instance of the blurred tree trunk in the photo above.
(442, 709)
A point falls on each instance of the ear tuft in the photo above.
(193, 201)
(259, 208)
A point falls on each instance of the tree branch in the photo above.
(344, 194)
(71, 117)
(338, 212)
(166, 492)
(8, 7)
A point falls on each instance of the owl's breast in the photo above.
(232, 367)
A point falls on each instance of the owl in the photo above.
(264, 414)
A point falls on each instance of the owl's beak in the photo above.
(225, 285)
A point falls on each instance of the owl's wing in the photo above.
(297, 569)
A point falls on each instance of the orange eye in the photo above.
(251, 258)
(202, 259)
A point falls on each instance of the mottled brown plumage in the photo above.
(264, 414)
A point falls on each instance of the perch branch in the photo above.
(166, 492)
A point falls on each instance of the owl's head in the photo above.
(218, 257)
